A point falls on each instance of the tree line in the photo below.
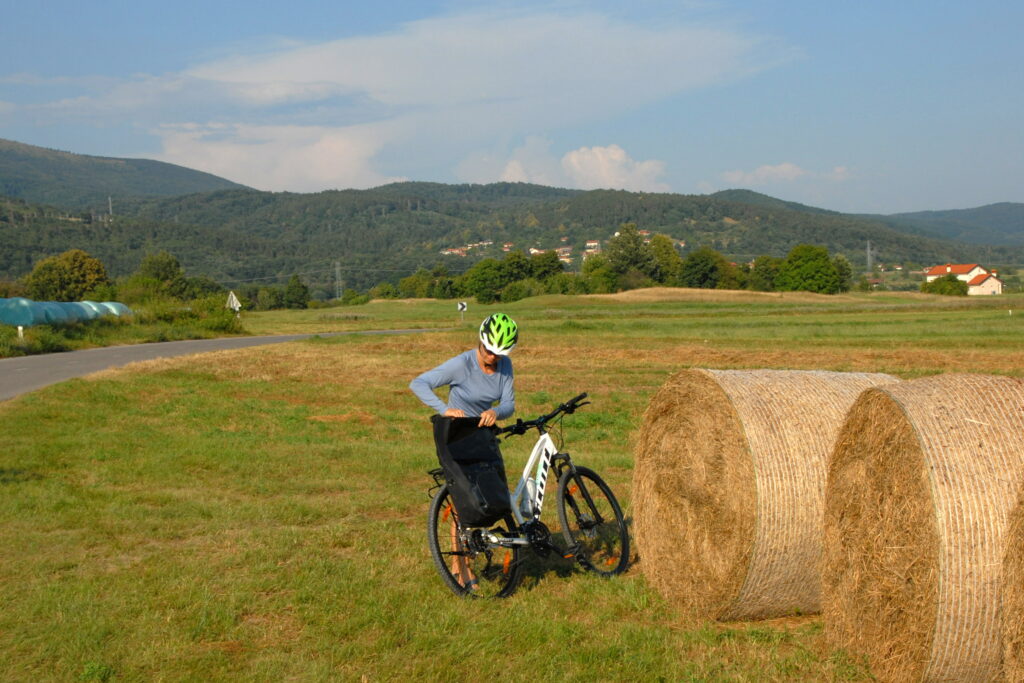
(628, 262)
(75, 275)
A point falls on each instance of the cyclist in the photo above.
(476, 378)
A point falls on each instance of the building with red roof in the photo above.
(979, 280)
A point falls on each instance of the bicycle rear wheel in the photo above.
(592, 522)
(467, 564)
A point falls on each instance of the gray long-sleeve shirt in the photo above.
(472, 390)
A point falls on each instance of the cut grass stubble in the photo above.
(261, 513)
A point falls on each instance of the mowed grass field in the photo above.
(261, 514)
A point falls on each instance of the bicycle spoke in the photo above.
(592, 522)
(466, 561)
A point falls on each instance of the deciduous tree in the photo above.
(627, 251)
(808, 268)
(66, 277)
(296, 293)
(545, 265)
(598, 275)
(165, 268)
(705, 268)
(668, 262)
(516, 266)
(484, 280)
(950, 285)
(764, 273)
(845, 272)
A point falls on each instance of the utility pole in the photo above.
(110, 205)
(870, 256)
(339, 286)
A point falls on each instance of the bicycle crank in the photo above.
(539, 536)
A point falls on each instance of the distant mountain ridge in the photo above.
(235, 234)
(385, 233)
(1001, 223)
(82, 182)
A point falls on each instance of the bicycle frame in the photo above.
(589, 519)
(528, 497)
(540, 463)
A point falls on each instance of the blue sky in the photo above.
(863, 107)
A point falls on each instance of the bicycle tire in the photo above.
(592, 522)
(493, 572)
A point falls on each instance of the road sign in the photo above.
(462, 306)
(233, 303)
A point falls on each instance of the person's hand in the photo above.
(488, 418)
(454, 412)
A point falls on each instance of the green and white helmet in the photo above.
(499, 334)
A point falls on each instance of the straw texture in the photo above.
(1012, 613)
(920, 488)
(728, 489)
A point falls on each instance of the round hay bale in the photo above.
(728, 487)
(1012, 612)
(920, 488)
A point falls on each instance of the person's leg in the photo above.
(460, 565)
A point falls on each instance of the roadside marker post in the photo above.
(462, 311)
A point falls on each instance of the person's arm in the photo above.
(507, 405)
(424, 385)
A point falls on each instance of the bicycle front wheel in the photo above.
(468, 565)
(592, 522)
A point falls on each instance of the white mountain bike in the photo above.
(487, 562)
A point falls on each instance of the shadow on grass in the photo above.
(17, 476)
(553, 565)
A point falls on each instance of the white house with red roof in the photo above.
(979, 280)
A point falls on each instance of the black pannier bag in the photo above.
(475, 471)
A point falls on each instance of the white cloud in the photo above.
(498, 58)
(766, 175)
(435, 88)
(586, 168)
(292, 158)
(786, 172)
(610, 167)
(532, 163)
(839, 174)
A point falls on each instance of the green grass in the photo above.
(261, 514)
(110, 331)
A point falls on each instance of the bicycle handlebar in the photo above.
(569, 407)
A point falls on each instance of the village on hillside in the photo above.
(980, 280)
(565, 252)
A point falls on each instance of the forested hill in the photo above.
(81, 182)
(1001, 223)
(387, 232)
(757, 199)
(429, 217)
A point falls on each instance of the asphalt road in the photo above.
(28, 373)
